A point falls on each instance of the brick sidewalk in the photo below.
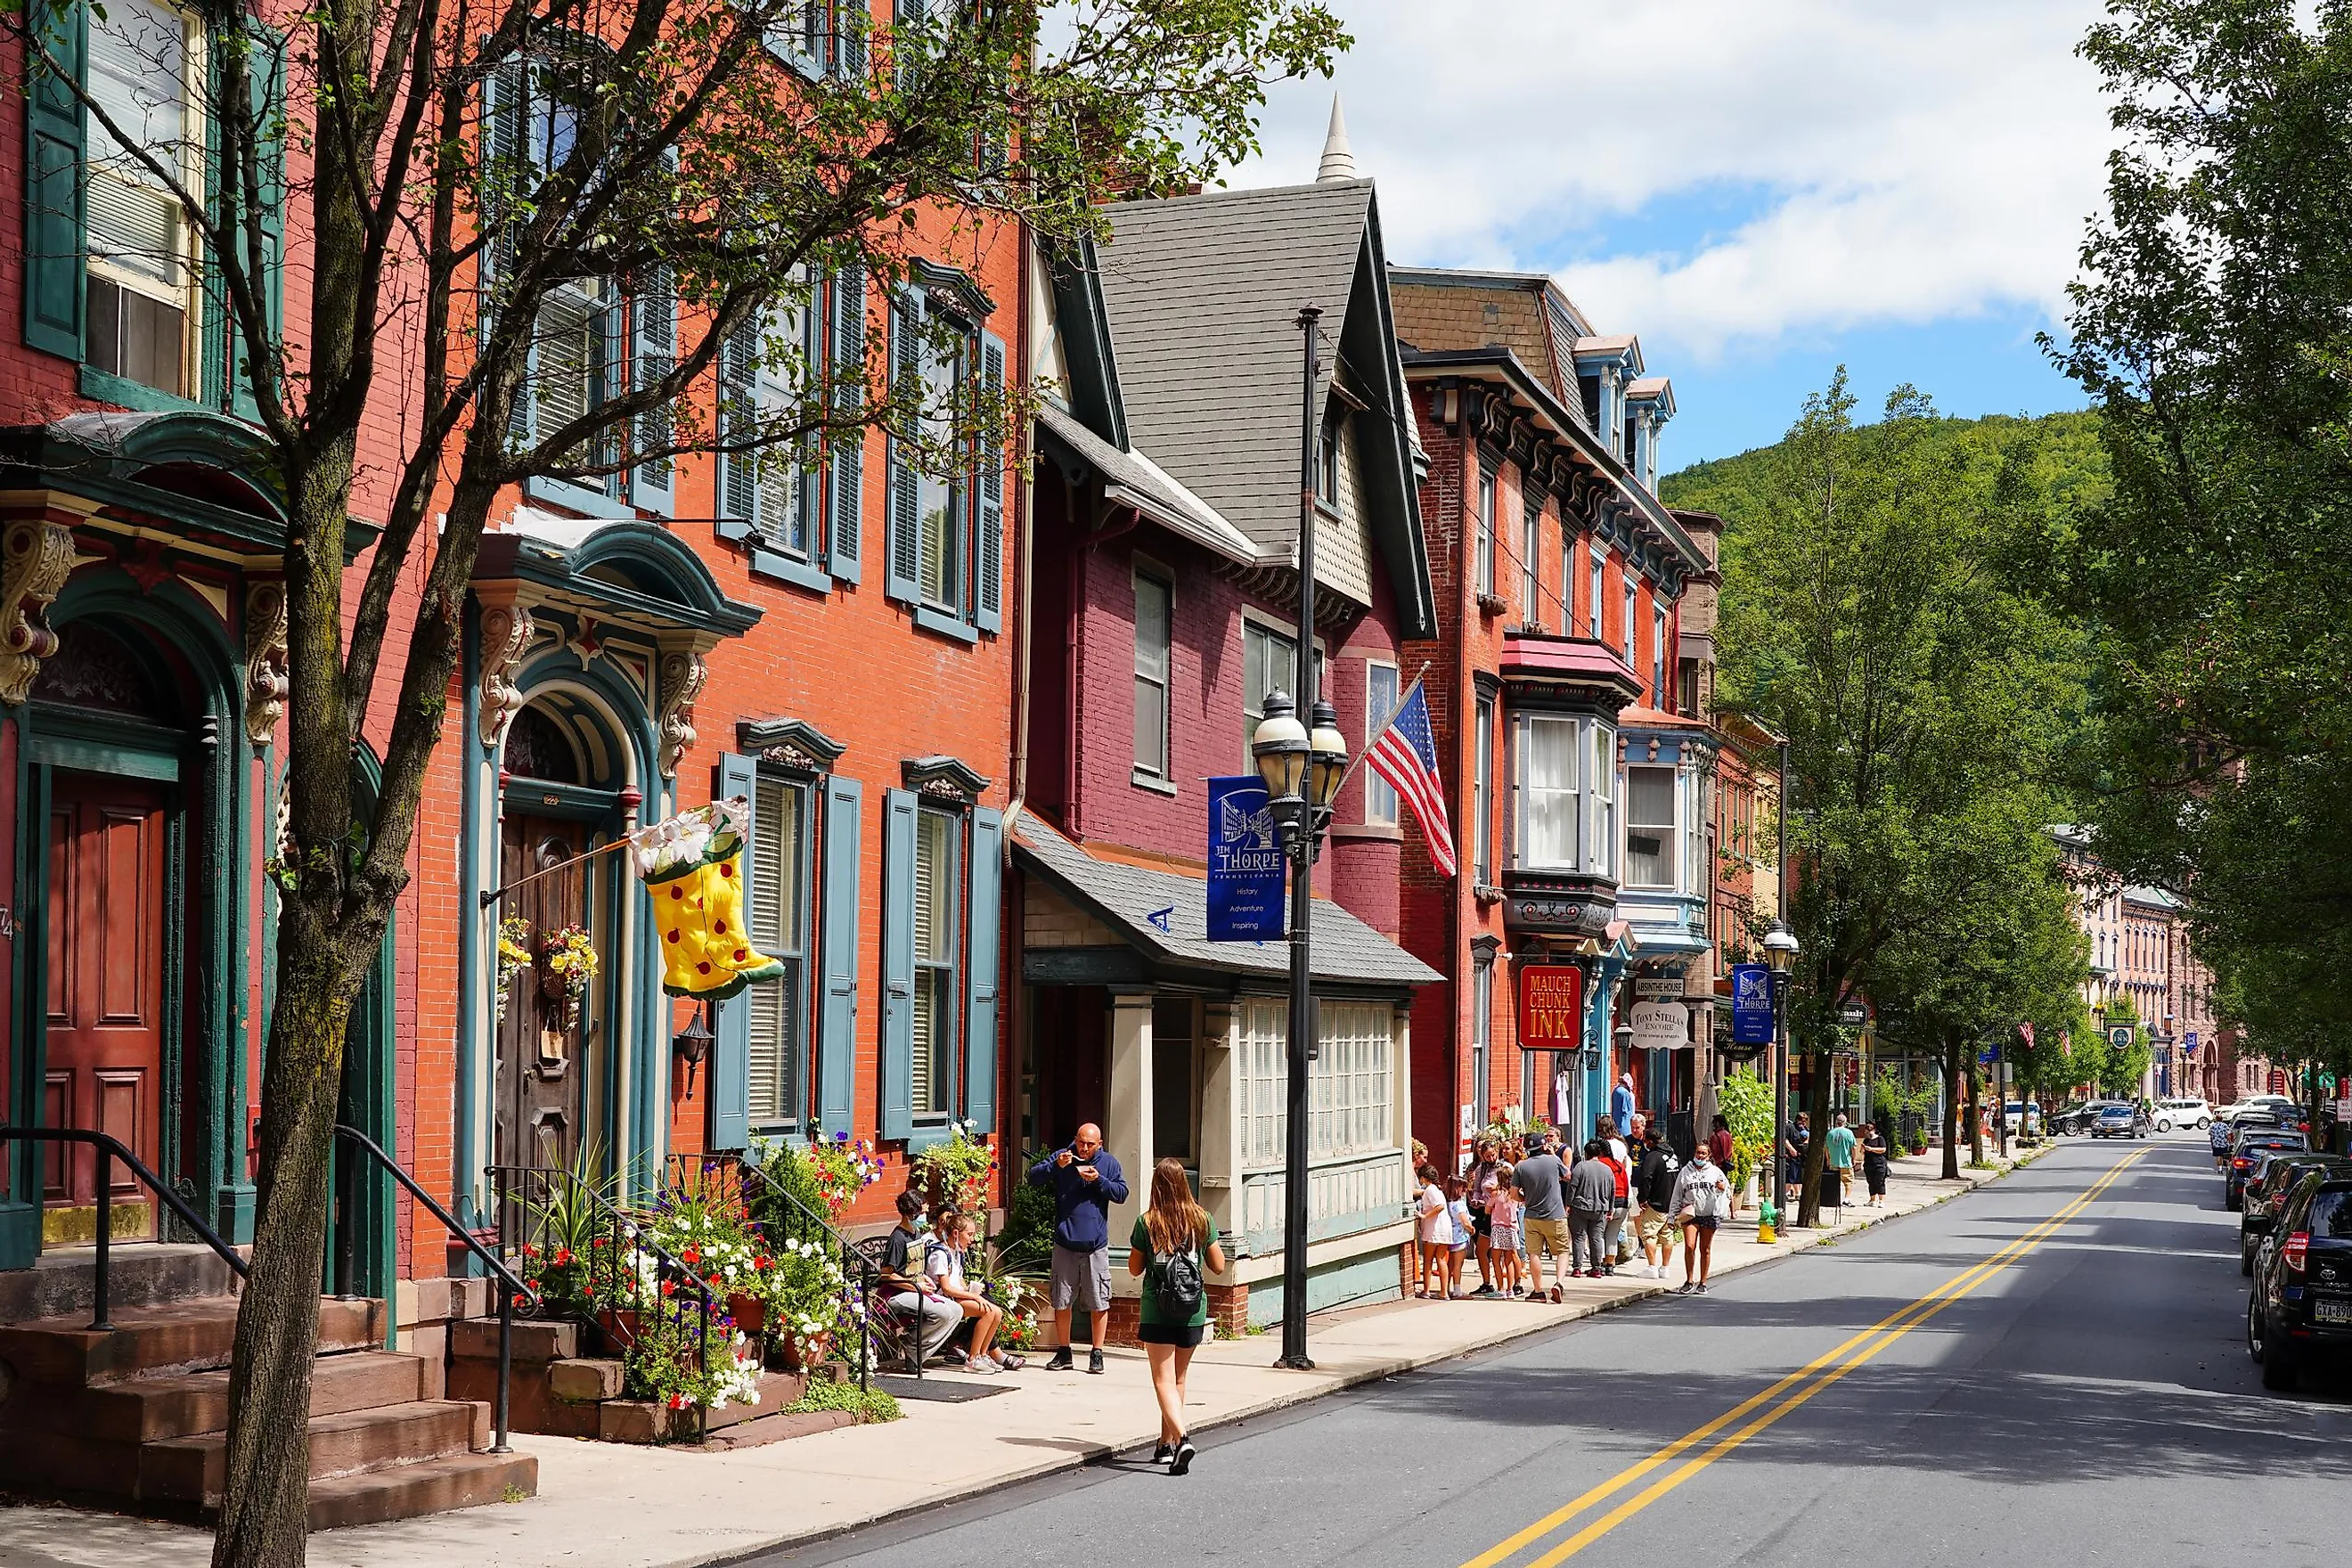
(606, 1505)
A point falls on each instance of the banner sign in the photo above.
(1661, 1025)
(1552, 1008)
(1245, 866)
(2120, 1037)
(1752, 1004)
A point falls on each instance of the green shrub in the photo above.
(866, 1404)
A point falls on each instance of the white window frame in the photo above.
(778, 1015)
(1600, 780)
(1481, 789)
(1633, 603)
(1380, 801)
(1164, 680)
(1530, 569)
(1658, 657)
(1668, 833)
(1253, 708)
(1527, 726)
(187, 294)
(947, 1023)
(1592, 612)
(1485, 565)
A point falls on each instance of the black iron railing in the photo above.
(513, 1292)
(108, 1151)
(613, 1264)
(784, 1217)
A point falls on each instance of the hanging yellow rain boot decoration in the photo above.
(693, 868)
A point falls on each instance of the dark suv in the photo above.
(2275, 1175)
(2301, 1305)
(2243, 1153)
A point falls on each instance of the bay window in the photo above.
(1379, 703)
(1269, 663)
(1548, 792)
(1648, 827)
(1600, 772)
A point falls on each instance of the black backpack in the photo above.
(1180, 1289)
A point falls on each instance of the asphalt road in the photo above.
(2056, 1374)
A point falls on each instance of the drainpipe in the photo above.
(1010, 953)
(1458, 955)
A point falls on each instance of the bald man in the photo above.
(1085, 1180)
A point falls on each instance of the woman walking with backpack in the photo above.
(1173, 1248)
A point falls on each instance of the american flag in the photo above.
(1405, 754)
(2027, 1031)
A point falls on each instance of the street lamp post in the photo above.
(1780, 952)
(1303, 770)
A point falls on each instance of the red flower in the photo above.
(563, 1257)
(690, 1256)
(596, 1240)
(528, 1250)
(715, 1283)
(669, 1287)
(521, 1301)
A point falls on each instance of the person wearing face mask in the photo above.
(1085, 1180)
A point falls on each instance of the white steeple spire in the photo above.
(1338, 159)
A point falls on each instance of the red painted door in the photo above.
(105, 930)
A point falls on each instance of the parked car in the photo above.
(2077, 1118)
(2301, 1305)
(2247, 1150)
(2024, 1119)
(2275, 1174)
(2172, 1113)
(2225, 1134)
(2117, 1120)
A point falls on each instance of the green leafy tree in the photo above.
(454, 171)
(1871, 615)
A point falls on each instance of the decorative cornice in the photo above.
(681, 678)
(505, 632)
(266, 683)
(792, 743)
(36, 556)
(944, 778)
(957, 284)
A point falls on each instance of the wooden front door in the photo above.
(105, 928)
(541, 1067)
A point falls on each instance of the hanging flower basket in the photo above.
(514, 955)
(568, 965)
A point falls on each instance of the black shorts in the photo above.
(1706, 1222)
(1482, 1223)
(1185, 1336)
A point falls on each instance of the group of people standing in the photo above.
(1519, 1202)
(1844, 1151)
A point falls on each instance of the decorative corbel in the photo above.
(36, 556)
(266, 683)
(505, 632)
(682, 677)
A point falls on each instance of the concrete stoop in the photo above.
(136, 1418)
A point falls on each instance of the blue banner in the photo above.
(1245, 865)
(1752, 1004)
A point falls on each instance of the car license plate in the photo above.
(2323, 1310)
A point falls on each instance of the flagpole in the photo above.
(1403, 698)
(492, 895)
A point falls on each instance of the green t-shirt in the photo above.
(1141, 1240)
(1841, 1147)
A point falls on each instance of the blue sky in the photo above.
(1762, 192)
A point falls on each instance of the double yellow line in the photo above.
(1773, 1403)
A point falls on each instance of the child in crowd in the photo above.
(1457, 1208)
(1503, 1209)
(1435, 1230)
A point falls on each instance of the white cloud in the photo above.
(1881, 162)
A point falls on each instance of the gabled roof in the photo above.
(1203, 294)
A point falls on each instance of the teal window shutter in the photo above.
(729, 1074)
(988, 597)
(847, 456)
(653, 352)
(897, 963)
(987, 906)
(850, 20)
(836, 1064)
(904, 496)
(54, 261)
(265, 65)
(739, 474)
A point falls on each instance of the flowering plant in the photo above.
(962, 1169)
(1018, 1301)
(842, 1169)
(514, 954)
(571, 956)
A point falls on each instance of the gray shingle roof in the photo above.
(1127, 897)
(1134, 479)
(1203, 295)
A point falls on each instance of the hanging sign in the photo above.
(1246, 868)
(2120, 1037)
(1552, 1008)
(692, 865)
(1660, 1026)
(1657, 987)
(1752, 1004)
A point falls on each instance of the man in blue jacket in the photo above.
(1085, 1180)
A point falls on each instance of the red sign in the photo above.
(1552, 1008)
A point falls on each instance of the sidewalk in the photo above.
(606, 1505)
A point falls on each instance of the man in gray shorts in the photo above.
(1085, 1180)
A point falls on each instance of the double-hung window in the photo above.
(1482, 1036)
(778, 912)
(1330, 456)
(1153, 634)
(767, 484)
(144, 304)
(1658, 657)
(946, 485)
(937, 882)
(1592, 594)
(1379, 703)
(1531, 564)
(1549, 796)
(1481, 793)
(1269, 663)
(1648, 827)
(1633, 603)
(1601, 778)
(1486, 543)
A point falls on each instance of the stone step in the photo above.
(172, 1336)
(62, 1281)
(431, 1486)
(195, 1470)
(149, 1409)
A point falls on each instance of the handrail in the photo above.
(109, 1149)
(516, 1290)
(623, 1231)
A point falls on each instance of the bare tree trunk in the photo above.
(1951, 1110)
(1817, 1147)
(1976, 1118)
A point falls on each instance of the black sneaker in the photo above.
(1182, 1460)
(1162, 1452)
(1094, 1361)
(1060, 1362)
(954, 1358)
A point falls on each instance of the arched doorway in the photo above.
(121, 752)
(562, 796)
